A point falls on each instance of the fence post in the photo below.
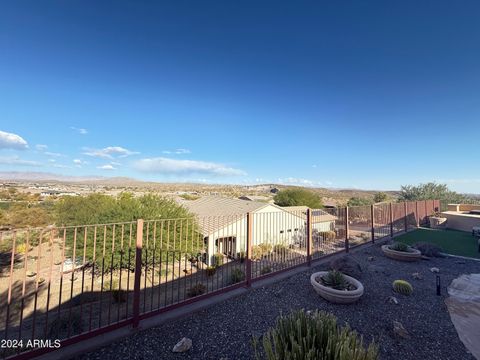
(373, 222)
(309, 237)
(426, 214)
(391, 220)
(138, 273)
(417, 218)
(405, 215)
(347, 244)
(249, 249)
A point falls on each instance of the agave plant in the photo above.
(399, 246)
(336, 280)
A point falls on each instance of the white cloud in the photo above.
(161, 165)
(61, 166)
(106, 167)
(12, 141)
(109, 152)
(298, 181)
(41, 147)
(52, 160)
(53, 154)
(81, 131)
(15, 160)
(177, 151)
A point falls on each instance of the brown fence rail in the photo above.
(71, 283)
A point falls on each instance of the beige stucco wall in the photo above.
(462, 222)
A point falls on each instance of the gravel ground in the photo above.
(224, 331)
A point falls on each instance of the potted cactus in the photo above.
(402, 252)
(336, 287)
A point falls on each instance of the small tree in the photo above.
(380, 197)
(298, 197)
(358, 201)
(429, 191)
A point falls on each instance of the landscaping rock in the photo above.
(183, 345)
(393, 300)
(417, 276)
(347, 265)
(399, 330)
(435, 270)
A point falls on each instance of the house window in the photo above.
(281, 231)
(289, 230)
(296, 229)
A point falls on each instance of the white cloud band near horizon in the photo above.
(16, 160)
(12, 141)
(109, 152)
(167, 166)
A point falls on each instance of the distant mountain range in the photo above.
(44, 176)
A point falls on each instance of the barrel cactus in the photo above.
(402, 287)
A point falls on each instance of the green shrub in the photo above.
(328, 235)
(336, 280)
(237, 276)
(266, 270)
(312, 337)
(399, 246)
(218, 259)
(211, 270)
(196, 290)
(402, 287)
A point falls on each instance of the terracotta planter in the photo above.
(411, 255)
(337, 296)
(437, 222)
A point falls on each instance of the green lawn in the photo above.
(451, 241)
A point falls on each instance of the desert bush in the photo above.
(196, 290)
(211, 270)
(402, 287)
(312, 337)
(237, 276)
(64, 325)
(242, 256)
(428, 249)
(266, 248)
(257, 252)
(280, 248)
(22, 249)
(266, 270)
(399, 246)
(218, 259)
(335, 280)
(328, 235)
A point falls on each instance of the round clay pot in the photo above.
(337, 296)
(411, 255)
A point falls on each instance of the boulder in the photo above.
(399, 330)
(347, 265)
(183, 345)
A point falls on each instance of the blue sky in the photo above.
(340, 94)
